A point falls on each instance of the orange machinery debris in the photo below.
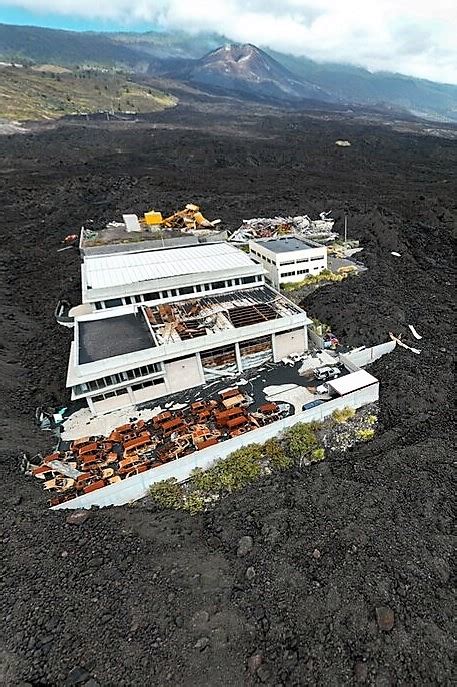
(142, 439)
(268, 408)
(188, 218)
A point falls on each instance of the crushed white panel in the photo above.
(414, 332)
(397, 255)
(64, 469)
(293, 394)
(131, 222)
(403, 345)
(105, 271)
(311, 362)
(81, 423)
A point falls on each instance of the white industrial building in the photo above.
(155, 322)
(288, 259)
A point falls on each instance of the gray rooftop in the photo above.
(286, 244)
(112, 336)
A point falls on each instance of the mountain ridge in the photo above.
(183, 56)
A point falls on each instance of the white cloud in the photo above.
(415, 37)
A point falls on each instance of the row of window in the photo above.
(263, 258)
(135, 387)
(295, 272)
(171, 293)
(150, 382)
(118, 378)
(302, 260)
(109, 394)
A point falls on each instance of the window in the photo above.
(117, 378)
(318, 257)
(219, 285)
(199, 287)
(173, 292)
(109, 394)
(99, 305)
(247, 280)
(113, 303)
(288, 274)
(219, 357)
(303, 260)
(151, 296)
(80, 389)
(303, 271)
(287, 262)
(151, 382)
(186, 289)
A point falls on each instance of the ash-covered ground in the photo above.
(339, 551)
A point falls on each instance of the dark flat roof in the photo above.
(111, 336)
(288, 243)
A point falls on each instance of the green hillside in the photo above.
(70, 48)
(48, 92)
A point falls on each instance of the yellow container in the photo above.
(153, 217)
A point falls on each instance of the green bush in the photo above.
(372, 419)
(300, 441)
(365, 434)
(168, 493)
(343, 415)
(239, 468)
(317, 455)
(274, 453)
(194, 503)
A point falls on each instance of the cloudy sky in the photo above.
(417, 37)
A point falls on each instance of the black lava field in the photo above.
(139, 596)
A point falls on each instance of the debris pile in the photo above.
(93, 462)
(272, 227)
(190, 220)
(174, 322)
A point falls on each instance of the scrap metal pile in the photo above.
(272, 227)
(91, 463)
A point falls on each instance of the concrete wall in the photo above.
(183, 374)
(317, 340)
(135, 488)
(121, 400)
(288, 343)
(149, 393)
(356, 359)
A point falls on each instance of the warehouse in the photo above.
(175, 318)
(288, 259)
(136, 275)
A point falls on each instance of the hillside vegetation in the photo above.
(31, 93)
